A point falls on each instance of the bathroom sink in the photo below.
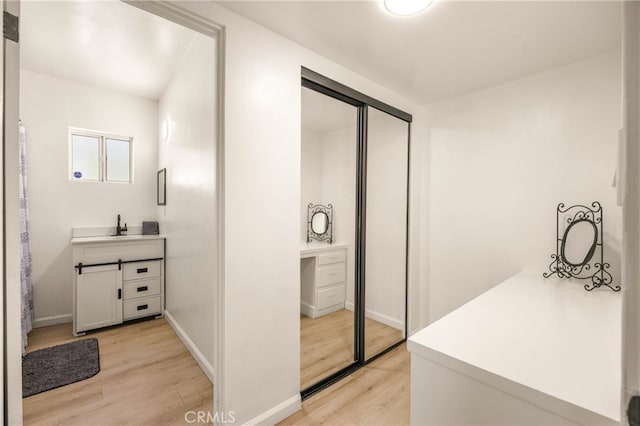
(107, 238)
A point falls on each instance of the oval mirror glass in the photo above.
(579, 242)
(319, 223)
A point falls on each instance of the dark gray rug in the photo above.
(50, 368)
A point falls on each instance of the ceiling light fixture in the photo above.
(406, 7)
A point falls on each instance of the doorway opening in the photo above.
(60, 93)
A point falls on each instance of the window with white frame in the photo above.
(99, 157)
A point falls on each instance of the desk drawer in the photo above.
(331, 296)
(140, 270)
(334, 257)
(142, 307)
(330, 274)
(135, 289)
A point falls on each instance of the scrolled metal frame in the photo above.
(563, 268)
(312, 209)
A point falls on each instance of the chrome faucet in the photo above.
(120, 229)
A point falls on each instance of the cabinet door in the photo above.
(98, 297)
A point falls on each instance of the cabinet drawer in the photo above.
(134, 289)
(138, 308)
(335, 257)
(330, 274)
(140, 270)
(331, 296)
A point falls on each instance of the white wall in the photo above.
(503, 158)
(631, 210)
(260, 377)
(48, 106)
(339, 189)
(329, 177)
(310, 176)
(189, 217)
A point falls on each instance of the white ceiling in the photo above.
(107, 44)
(451, 48)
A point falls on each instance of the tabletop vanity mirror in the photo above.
(320, 223)
(579, 246)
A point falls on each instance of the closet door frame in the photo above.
(326, 86)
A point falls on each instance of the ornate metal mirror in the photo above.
(320, 223)
(579, 242)
(580, 250)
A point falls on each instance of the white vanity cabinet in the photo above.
(97, 302)
(116, 279)
(322, 279)
(142, 286)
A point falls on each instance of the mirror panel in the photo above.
(386, 231)
(579, 242)
(319, 222)
(328, 178)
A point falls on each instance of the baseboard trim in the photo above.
(53, 320)
(193, 349)
(278, 413)
(377, 316)
(307, 309)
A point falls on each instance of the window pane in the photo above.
(85, 157)
(117, 160)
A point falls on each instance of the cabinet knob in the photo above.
(142, 270)
(142, 307)
(144, 288)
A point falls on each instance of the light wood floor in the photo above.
(326, 344)
(147, 377)
(377, 394)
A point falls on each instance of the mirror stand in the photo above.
(579, 246)
(320, 223)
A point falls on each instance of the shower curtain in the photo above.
(25, 258)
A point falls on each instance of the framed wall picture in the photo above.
(162, 187)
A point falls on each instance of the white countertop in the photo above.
(115, 239)
(309, 249)
(546, 335)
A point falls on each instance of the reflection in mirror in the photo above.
(579, 242)
(386, 231)
(319, 223)
(328, 170)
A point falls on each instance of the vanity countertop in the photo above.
(114, 239)
(546, 336)
(309, 249)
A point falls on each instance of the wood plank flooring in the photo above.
(147, 377)
(326, 343)
(377, 394)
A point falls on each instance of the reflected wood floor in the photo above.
(147, 377)
(326, 343)
(377, 394)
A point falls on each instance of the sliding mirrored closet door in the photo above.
(354, 157)
(385, 259)
(328, 183)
